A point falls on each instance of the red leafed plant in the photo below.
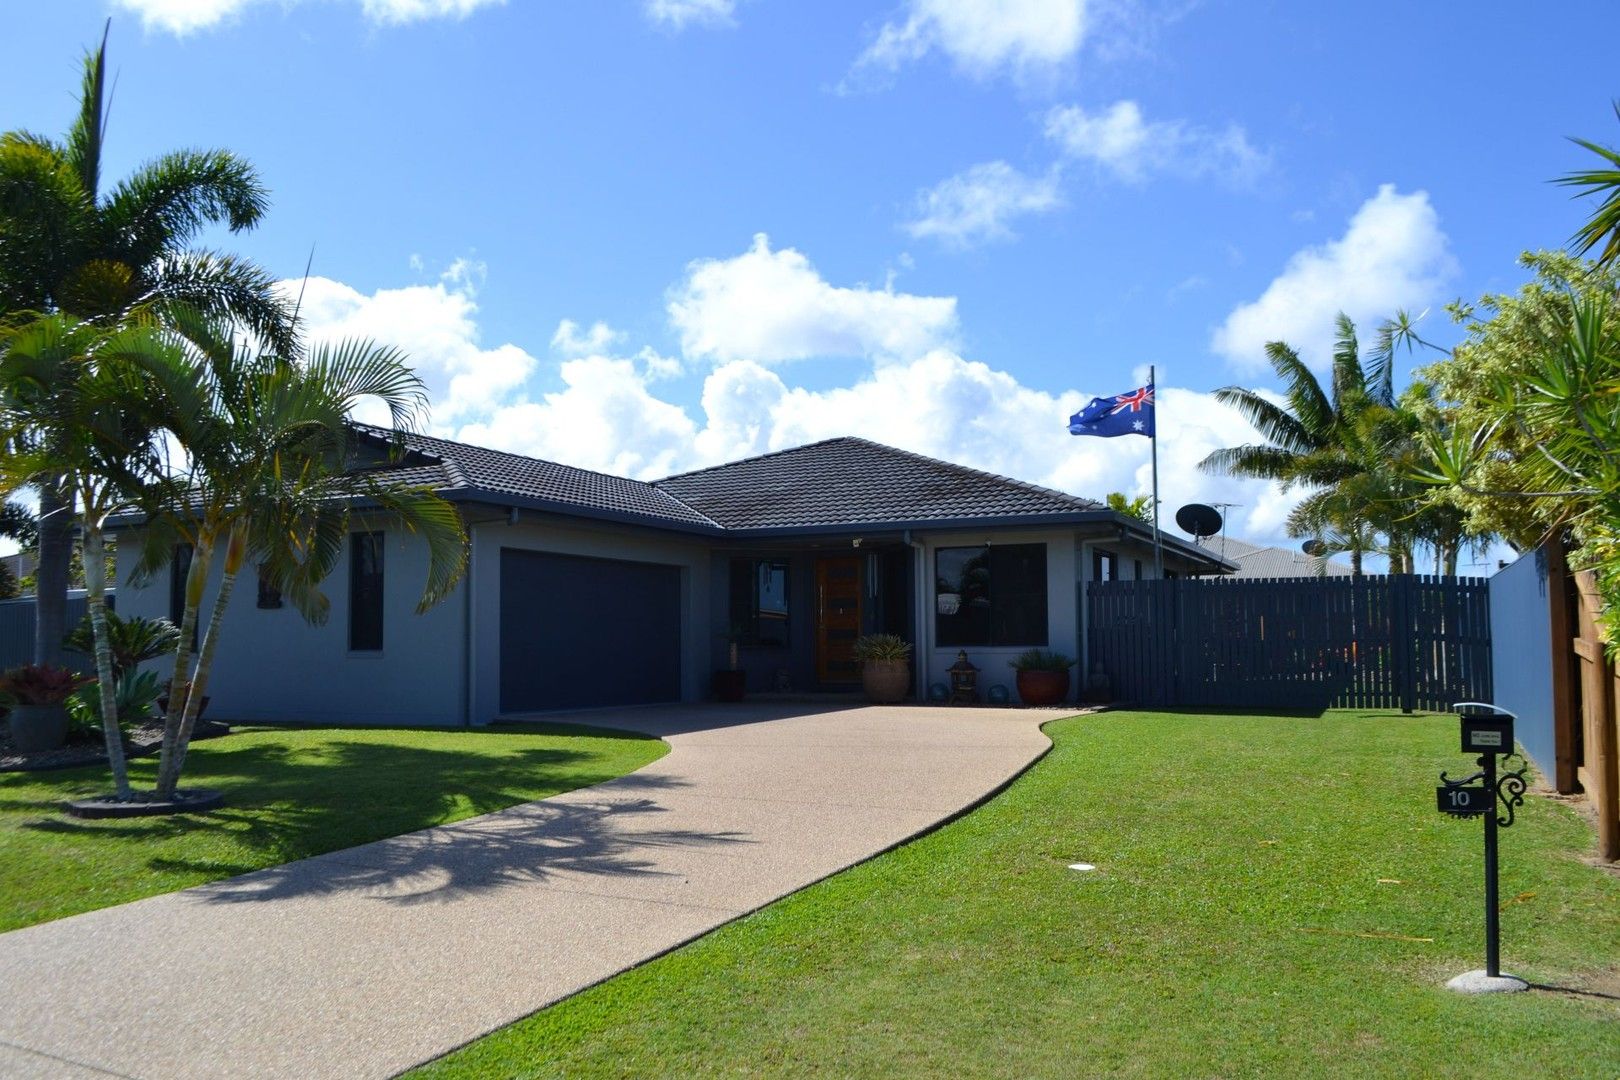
(40, 684)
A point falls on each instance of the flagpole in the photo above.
(1158, 547)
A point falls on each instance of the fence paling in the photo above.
(1373, 642)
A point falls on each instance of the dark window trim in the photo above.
(368, 636)
(947, 635)
(744, 612)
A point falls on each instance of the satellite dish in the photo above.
(1314, 548)
(1199, 520)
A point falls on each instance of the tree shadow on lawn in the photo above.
(289, 802)
(584, 842)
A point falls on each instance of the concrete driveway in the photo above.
(367, 961)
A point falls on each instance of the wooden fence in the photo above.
(1586, 700)
(1399, 641)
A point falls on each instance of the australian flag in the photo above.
(1124, 414)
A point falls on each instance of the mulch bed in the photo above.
(138, 741)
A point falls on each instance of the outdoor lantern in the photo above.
(964, 680)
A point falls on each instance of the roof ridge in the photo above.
(513, 454)
(758, 457)
(954, 466)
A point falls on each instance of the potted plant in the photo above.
(1043, 676)
(730, 683)
(885, 667)
(37, 693)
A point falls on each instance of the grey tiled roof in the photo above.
(851, 481)
(1254, 561)
(458, 467)
(845, 481)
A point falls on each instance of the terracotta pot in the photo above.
(1043, 687)
(886, 681)
(729, 685)
(38, 727)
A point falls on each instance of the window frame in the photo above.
(744, 611)
(955, 634)
(376, 539)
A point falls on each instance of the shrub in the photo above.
(133, 641)
(878, 647)
(1040, 660)
(137, 694)
(40, 684)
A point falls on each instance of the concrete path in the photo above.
(364, 962)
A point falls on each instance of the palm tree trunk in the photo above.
(1355, 560)
(1451, 552)
(235, 550)
(196, 579)
(51, 573)
(95, 584)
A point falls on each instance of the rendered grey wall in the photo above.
(272, 665)
(1521, 653)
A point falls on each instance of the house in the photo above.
(586, 590)
(1255, 561)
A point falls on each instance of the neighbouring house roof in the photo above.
(1255, 561)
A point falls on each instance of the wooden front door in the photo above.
(838, 619)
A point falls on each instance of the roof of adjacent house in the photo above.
(831, 485)
(1255, 561)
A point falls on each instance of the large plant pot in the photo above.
(38, 727)
(729, 685)
(886, 681)
(1043, 687)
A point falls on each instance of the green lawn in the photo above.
(1275, 897)
(290, 793)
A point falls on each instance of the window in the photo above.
(990, 595)
(269, 595)
(366, 592)
(759, 601)
(179, 571)
(1104, 566)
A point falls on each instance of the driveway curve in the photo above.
(367, 961)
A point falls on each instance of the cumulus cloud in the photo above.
(772, 306)
(978, 205)
(182, 17)
(980, 37)
(436, 327)
(1121, 141)
(678, 14)
(570, 342)
(1392, 255)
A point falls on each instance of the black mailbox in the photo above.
(1486, 729)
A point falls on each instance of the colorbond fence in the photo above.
(1399, 641)
(17, 629)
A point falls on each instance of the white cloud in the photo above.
(681, 13)
(977, 205)
(1121, 141)
(1392, 255)
(436, 328)
(570, 343)
(981, 37)
(181, 17)
(771, 306)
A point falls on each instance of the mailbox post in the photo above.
(1486, 731)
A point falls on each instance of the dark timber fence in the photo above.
(1399, 641)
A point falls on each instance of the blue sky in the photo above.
(979, 212)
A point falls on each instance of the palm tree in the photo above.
(1139, 507)
(270, 473)
(67, 246)
(76, 400)
(1603, 227)
(1328, 440)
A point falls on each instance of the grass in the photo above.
(1274, 897)
(289, 793)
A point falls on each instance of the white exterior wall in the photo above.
(602, 542)
(1062, 611)
(272, 665)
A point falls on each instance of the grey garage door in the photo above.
(581, 633)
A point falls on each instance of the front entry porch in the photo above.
(795, 613)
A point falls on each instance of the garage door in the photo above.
(581, 633)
